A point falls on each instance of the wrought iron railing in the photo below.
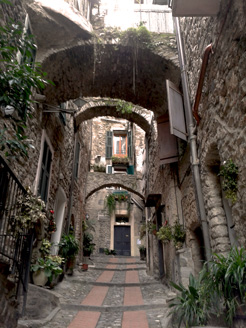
(15, 248)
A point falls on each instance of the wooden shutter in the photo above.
(45, 173)
(176, 111)
(168, 149)
(109, 144)
(129, 144)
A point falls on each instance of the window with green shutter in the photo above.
(109, 144)
(45, 173)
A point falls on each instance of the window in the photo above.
(118, 143)
(76, 164)
(45, 172)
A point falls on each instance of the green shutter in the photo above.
(129, 144)
(130, 169)
(109, 144)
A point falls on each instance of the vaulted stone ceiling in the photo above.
(79, 66)
(110, 71)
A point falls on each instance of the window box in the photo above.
(120, 161)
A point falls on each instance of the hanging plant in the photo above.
(31, 210)
(110, 201)
(165, 234)
(229, 172)
(178, 235)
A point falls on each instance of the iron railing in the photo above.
(15, 248)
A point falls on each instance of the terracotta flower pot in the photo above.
(84, 266)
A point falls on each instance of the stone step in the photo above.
(91, 267)
(115, 284)
(109, 308)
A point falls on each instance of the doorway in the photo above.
(122, 240)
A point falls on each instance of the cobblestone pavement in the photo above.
(114, 292)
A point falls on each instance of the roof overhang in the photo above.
(55, 24)
(190, 8)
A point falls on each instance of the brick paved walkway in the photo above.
(114, 292)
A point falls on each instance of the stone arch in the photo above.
(107, 71)
(97, 181)
(217, 219)
(96, 107)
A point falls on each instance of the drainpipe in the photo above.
(193, 145)
(207, 52)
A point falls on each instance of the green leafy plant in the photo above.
(165, 233)
(143, 229)
(109, 251)
(51, 265)
(111, 199)
(68, 246)
(229, 172)
(178, 235)
(136, 37)
(31, 210)
(120, 160)
(17, 80)
(88, 245)
(220, 289)
(228, 278)
(99, 168)
(45, 248)
(192, 304)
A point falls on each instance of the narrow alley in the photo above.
(114, 292)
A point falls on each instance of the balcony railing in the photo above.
(15, 248)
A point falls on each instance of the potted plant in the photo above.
(142, 231)
(46, 269)
(68, 249)
(32, 211)
(165, 234)
(88, 246)
(120, 160)
(178, 235)
(142, 251)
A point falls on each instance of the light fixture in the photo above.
(87, 216)
(54, 109)
(79, 102)
(9, 110)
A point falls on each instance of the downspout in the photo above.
(193, 146)
(207, 52)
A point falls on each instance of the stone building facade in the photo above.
(127, 216)
(80, 67)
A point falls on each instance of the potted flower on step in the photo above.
(46, 269)
(142, 251)
(68, 249)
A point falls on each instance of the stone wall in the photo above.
(221, 132)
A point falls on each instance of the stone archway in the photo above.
(107, 71)
(97, 181)
(96, 107)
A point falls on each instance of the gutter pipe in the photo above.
(206, 55)
(193, 145)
